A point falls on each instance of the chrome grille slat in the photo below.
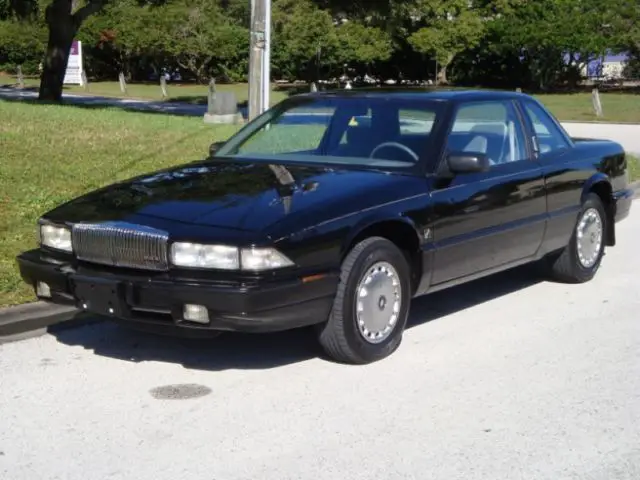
(121, 244)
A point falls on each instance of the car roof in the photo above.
(409, 93)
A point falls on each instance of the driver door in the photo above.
(490, 219)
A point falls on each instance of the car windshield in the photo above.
(383, 132)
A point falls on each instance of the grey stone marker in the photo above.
(224, 109)
(211, 96)
(85, 82)
(314, 88)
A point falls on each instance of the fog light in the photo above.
(195, 313)
(43, 290)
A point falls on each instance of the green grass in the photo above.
(617, 107)
(50, 154)
(634, 168)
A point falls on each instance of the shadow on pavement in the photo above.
(265, 351)
(456, 299)
(229, 351)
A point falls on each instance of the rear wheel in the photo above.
(371, 306)
(581, 258)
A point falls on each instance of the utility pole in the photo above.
(266, 59)
(259, 57)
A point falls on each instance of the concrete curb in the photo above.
(34, 319)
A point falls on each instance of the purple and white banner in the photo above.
(73, 74)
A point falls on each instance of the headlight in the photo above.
(224, 257)
(205, 256)
(56, 237)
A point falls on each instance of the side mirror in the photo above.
(468, 162)
(214, 147)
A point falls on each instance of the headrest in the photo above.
(478, 144)
(497, 128)
(358, 135)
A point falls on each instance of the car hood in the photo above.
(232, 195)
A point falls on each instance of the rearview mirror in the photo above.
(468, 162)
(214, 147)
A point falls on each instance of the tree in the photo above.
(198, 34)
(22, 36)
(555, 38)
(451, 27)
(121, 33)
(299, 30)
(361, 44)
(63, 19)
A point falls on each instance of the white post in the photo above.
(266, 58)
(256, 58)
(597, 104)
(163, 87)
(20, 77)
(123, 83)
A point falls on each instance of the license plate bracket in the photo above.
(101, 296)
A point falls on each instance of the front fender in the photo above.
(600, 184)
(370, 221)
(592, 181)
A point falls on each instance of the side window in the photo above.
(548, 136)
(491, 128)
(416, 121)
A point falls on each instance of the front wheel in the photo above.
(581, 258)
(371, 306)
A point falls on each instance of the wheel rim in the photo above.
(378, 302)
(589, 234)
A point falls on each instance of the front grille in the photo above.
(121, 245)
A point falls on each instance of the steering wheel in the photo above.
(400, 146)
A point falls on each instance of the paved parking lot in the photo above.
(506, 378)
(627, 135)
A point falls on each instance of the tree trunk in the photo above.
(441, 77)
(63, 26)
(62, 29)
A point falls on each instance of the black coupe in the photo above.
(335, 210)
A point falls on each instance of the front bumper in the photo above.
(273, 306)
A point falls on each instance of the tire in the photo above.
(342, 337)
(568, 266)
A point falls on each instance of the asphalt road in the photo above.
(506, 378)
